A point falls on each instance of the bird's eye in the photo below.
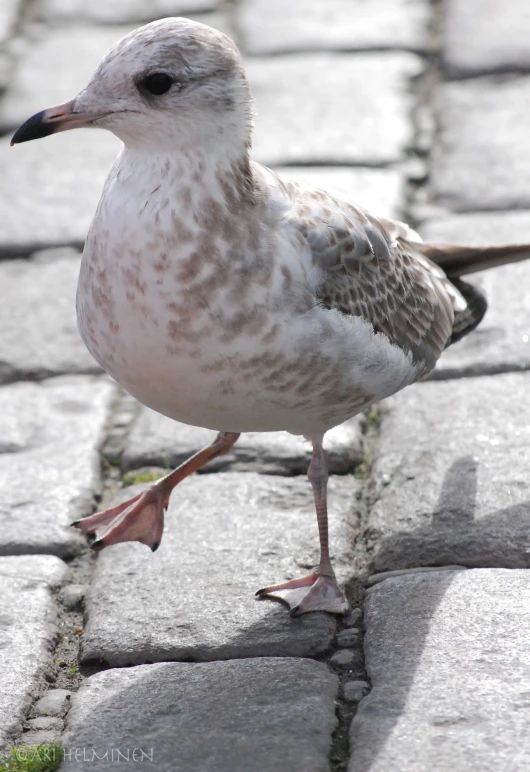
(157, 83)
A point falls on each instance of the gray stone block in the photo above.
(46, 569)
(354, 617)
(345, 659)
(50, 188)
(49, 461)
(447, 656)
(156, 440)
(54, 703)
(46, 723)
(502, 340)
(481, 159)
(451, 475)
(271, 715)
(380, 191)
(354, 691)
(121, 11)
(33, 739)
(73, 595)
(9, 14)
(349, 637)
(482, 36)
(38, 321)
(28, 629)
(382, 576)
(273, 26)
(332, 108)
(226, 536)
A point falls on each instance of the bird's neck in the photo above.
(186, 178)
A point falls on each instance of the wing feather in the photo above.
(372, 267)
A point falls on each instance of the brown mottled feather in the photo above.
(368, 268)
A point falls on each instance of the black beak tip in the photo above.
(35, 127)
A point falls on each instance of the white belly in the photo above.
(298, 373)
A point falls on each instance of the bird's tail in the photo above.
(456, 260)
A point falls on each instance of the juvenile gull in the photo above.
(222, 296)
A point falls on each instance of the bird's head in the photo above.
(172, 84)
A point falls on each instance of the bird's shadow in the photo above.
(449, 538)
(455, 535)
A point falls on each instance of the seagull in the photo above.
(223, 296)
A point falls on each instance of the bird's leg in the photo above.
(142, 517)
(319, 591)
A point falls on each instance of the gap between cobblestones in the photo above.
(424, 88)
(375, 49)
(422, 117)
(355, 591)
(26, 251)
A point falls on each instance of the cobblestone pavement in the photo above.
(414, 108)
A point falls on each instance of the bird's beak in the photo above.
(58, 118)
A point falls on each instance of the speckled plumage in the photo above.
(223, 296)
(219, 294)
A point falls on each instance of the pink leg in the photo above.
(142, 517)
(319, 591)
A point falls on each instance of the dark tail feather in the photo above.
(472, 315)
(457, 260)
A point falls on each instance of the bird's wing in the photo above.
(372, 268)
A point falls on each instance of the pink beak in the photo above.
(58, 118)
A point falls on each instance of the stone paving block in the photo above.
(485, 36)
(481, 158)
(38, 320)
(332, 108)
(54, 703)
(10, 11)
(28, 628)
(451, 475)
(50, 188)
(273, 26)
(47, 569)
(121, 11)
(271, 715)
(9, 15)
(380, 191)
(44, 723)
(226, 536)
(49, 461)
(502, 340)
(156, 440)
(447, 656)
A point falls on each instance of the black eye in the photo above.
(157, 83)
